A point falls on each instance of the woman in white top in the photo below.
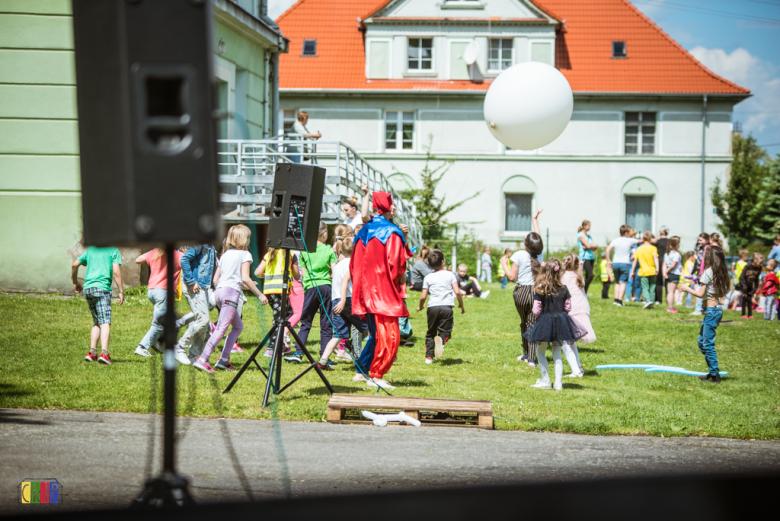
(350, 208)
(525, 266)
(231, 272)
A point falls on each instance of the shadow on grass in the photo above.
(572, 386)
(453, 361)
(319, 391)
(410, 383)
(591, 372)
(129, 361)
(589, 350)
(12, 391)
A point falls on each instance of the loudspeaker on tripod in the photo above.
(296, 204)
(147, 136)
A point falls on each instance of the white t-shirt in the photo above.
(670, 258)
(352, 223)
(230, 268)
(622, 247)
(439, 286)
(522, 258)
(341, 269)
(707, 280)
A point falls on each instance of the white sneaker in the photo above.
(181, 356)
(438, 349)
(574, 375)
(142, 351)
(647, 304)
(485, 294)
(541, 384)
(696, 313)
(358, 378)
(379, 382)
(558, 386)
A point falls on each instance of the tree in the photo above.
(768, 221)
(431, 210)
(737, 205)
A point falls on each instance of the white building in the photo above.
(383, 76)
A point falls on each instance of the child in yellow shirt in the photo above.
(647, 256)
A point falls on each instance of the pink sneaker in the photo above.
(672, 310)
(237, 349)
(203, 366)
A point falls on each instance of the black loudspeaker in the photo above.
(296, 204)
(147, 135)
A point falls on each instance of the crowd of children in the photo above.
(549, 295)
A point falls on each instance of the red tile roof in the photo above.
(655, 63)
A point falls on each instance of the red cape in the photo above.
(375, 269)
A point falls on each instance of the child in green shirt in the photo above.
(102, 268)
(316, 280)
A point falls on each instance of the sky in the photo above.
(736, 39)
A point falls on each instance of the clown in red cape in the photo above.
(377, 268)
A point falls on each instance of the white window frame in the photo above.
(512, 58)
(421, 72)
(294, 118)
(515, 233)
(463, 4)
(639, 143)
(399, 132)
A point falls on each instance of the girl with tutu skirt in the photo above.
(554, 326)
(580, 311)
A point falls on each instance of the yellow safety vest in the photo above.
(606, 271)
(274, 274)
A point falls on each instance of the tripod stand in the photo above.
(276, 335)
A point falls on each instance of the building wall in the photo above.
(40, 192)
(581, 175)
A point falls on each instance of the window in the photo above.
(420, 54)
(399, 130)
(309, 48)
(500, 56)
(288, 120)
(517, 211)
(640, 132)
(618, 49)
(639, 212)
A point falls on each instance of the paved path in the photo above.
(99, 458)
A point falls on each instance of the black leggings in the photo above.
(587, 266)
(746, 303)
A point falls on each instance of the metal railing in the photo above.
(247, 166)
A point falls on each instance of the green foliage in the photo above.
(431, 209)
(768, 220)
(737, 206)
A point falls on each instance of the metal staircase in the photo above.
(246, 178)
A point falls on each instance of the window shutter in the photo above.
(379, 60)
(541, 52)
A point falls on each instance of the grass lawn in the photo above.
(44, 341)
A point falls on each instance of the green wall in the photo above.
(40, 192)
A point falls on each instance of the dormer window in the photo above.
(420, 54)
(309, 48)
(500, 56)
(618, 49)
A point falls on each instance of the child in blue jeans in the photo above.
(714, 286)
(341, 296)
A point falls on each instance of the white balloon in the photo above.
(528, 105)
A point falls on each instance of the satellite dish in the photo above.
(470, 54)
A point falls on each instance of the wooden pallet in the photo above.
(432, 412)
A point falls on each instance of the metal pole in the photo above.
(455, 251)
(548, 244)
(169, 364)
(703, 155)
